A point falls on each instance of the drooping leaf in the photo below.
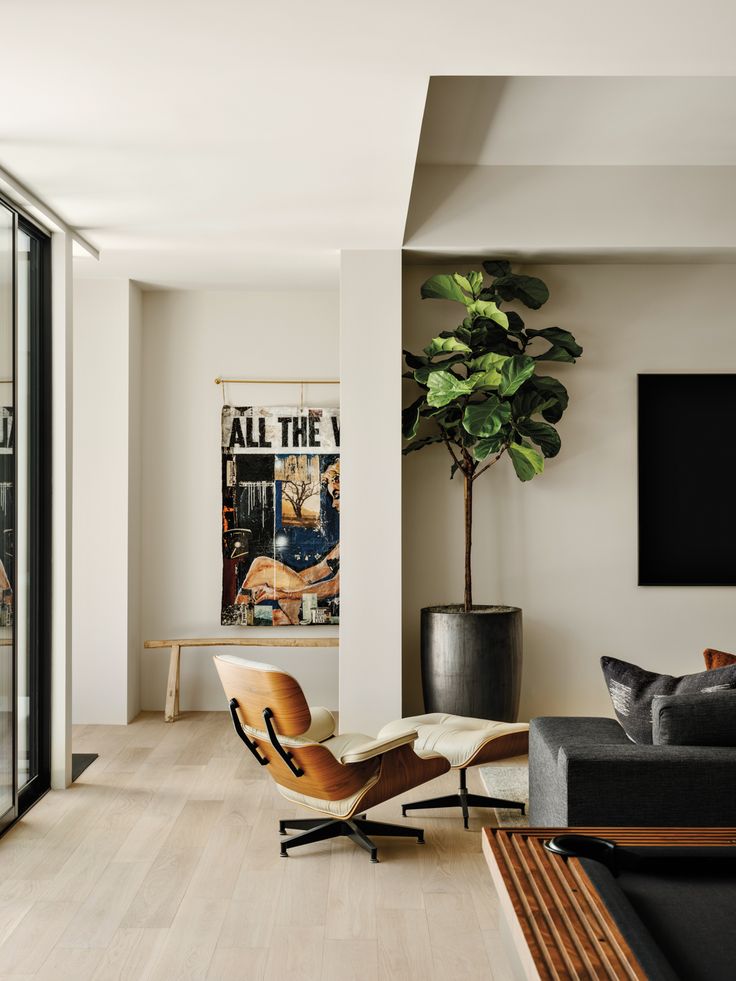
(442, 287)
(486, 418)
(489, 336)
(444, 387)
(464, 334)
(445, 415)
(421, 375)
(514, 372)
(410, 417)
(526, 460)
(528, 402)
(419, 444)
(414, 360)
(545, 436)
(446, 345)
(489, 311)
(531, 291)
(558, 338)
(497, 267)
(556, 353)
(484, 447)
(551, 388)
(516, 324)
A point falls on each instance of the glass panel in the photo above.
(27, 749)
(7, 516)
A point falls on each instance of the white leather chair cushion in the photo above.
(331, 808)
(354, 747)
(456, 737)
(321, 727)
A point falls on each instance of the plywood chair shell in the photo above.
(402, 770)
(255, 688)
(324, 777)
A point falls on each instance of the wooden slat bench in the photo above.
(171, 712)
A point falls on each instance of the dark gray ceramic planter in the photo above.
(471, 662)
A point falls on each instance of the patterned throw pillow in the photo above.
(717, 659)
(632, 689)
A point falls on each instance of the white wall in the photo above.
(105, 508)
(189, 338)
(135, 417)
(370, 567)
(564, 547)
(555, 211)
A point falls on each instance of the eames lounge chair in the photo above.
(338, 777)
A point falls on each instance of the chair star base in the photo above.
(464, 800)
(356, 828)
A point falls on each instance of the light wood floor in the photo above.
(162, 862)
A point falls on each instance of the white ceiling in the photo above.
(242, 143)
(580, 121)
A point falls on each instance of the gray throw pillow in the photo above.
(700, 719)
(632, 689)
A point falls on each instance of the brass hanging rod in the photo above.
(276, 381)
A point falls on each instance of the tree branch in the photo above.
(488, 465)
(452, 453)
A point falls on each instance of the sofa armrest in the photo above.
(666, 786)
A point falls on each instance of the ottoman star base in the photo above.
(464, 742)
(464, 800)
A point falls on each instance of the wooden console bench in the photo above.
(171, 712)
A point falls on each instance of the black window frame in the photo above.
(39, 456)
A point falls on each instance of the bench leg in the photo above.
(172, 688)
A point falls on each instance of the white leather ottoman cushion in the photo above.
(461, 740)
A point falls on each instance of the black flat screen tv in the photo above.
(687, 479)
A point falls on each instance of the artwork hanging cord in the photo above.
(280, 516)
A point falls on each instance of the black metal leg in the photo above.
(362, 839)
(463, 800)
(358, 829)
(395, 830)
(478, 800)
(322, 832)
(300, 824)
(463, 795)
(451, 800)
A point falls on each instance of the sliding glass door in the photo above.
(8, 796)
(24, 514)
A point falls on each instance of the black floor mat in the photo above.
(80, 762)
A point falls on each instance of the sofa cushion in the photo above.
(632, 689)
(701, 719)
(717, 659)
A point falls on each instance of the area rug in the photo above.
(508, 779)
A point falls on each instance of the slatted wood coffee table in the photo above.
(570, 917)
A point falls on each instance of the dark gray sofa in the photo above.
(585, 772)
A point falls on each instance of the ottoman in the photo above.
(463, 742)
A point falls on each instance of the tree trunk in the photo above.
(468, 542)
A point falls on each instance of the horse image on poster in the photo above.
(280, 516)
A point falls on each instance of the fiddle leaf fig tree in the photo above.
(481, 388)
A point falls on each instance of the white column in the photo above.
(370, 492)
(106, 502)
(61, 510)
